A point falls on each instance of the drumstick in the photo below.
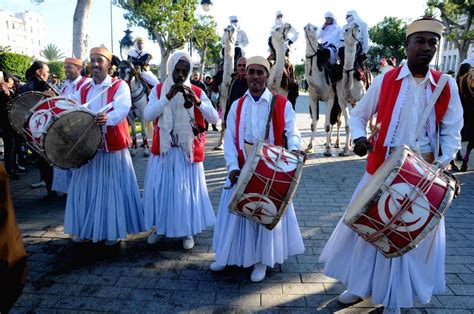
(376, 130)
(80, 138)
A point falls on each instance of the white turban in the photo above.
(329, 14)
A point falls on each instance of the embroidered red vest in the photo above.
(117, 136)
(199, 141)
(78, 85)
(387, 99)
(278, 123)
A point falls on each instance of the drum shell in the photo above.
(19, 109)
(72, 139)
(254, 186)
(372, 212)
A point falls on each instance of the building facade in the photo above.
(23, 32)
(449, 57)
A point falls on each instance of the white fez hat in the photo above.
(260, 61)
(329, 14)
(425, 24)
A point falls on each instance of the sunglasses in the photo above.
(258, 71)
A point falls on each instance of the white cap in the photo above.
(278, 13)
(351, 13)
(233, 18)
(329, 14)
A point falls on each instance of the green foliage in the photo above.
(57, 68)
(389, 39)
(204, 36)
(15, 63)
(457, 16)
(213, 55)
(299, 70)
(52, 53)
(168, 22)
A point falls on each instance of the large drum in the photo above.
(401, 203)
(20, 107)
(63, 133)
(266, 184)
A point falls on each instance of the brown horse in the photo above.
(466, 93)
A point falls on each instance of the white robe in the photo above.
(240, 241)
(355, 262)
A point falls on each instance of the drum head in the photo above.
(20, 108)
(72, 139)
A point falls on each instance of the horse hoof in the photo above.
(309, 150)
(464, 168)
(336, 146)
(218, 148)
(343, 154)
(327, 154)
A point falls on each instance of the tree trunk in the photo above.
(203, 57)
(79, 28)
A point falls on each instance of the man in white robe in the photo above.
(399, 97)
(237, 240)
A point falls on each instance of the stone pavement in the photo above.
(136, 277)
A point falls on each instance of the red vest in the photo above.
(278, 123)
(387, 99)
(117, 136)
(199, 141)
(78, 85)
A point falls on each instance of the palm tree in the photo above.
(52, 53)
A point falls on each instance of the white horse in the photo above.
(139, 94)
(320, 87)
(230, 38)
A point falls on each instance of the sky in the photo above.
(255, 16)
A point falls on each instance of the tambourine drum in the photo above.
(20, 107)
(41, 115)
(401, 203)
(72, 139)
(266, 184)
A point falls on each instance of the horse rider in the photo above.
(140, 58)
(329, 37)
(103, 202)
(292, 35)
(175, 197)
(241, 42)
(237, 240)
(399, 97)
(363, 45)
(73, 82)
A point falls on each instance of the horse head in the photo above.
(126, 70)
(279, 35)
(351, 34)
(310, 33)
(230, 33)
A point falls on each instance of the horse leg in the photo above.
(345, 111)
(327, 126)
(339, 123)
(145, 126)
(131, 122)
(314, 107)
(470, 145)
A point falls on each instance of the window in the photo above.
(443, 64)
(449, 64)
(454, 65)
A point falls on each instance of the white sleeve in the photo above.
(293, 34)
(230, 146)
(365, 109)
(122, 103)
(365, 38)
(291, 131)
(207, 110)
(450, 126)
(155, 106)
(242, 38)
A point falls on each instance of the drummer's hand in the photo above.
(234, 176)
(49, 93)
(101, 118)
(174, 90)
(300, 153)
(362, 146)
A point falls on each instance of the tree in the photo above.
(204, 34)
(57, 68)
(52, 53)
(79, 28)
(168, 22)
(389, 39)
(457, 17)
(15, 63)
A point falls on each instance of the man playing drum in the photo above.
(103, 202)
(175, 197)
(74, 81)
(237, 240)
(399, 98)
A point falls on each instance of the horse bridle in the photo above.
(313, 55)
(228, 34)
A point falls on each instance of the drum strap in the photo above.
(270, 115)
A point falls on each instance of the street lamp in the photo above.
(206, 5)
(126, 43)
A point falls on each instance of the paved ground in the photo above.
(136, 277)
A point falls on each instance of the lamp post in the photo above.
(126, 43)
